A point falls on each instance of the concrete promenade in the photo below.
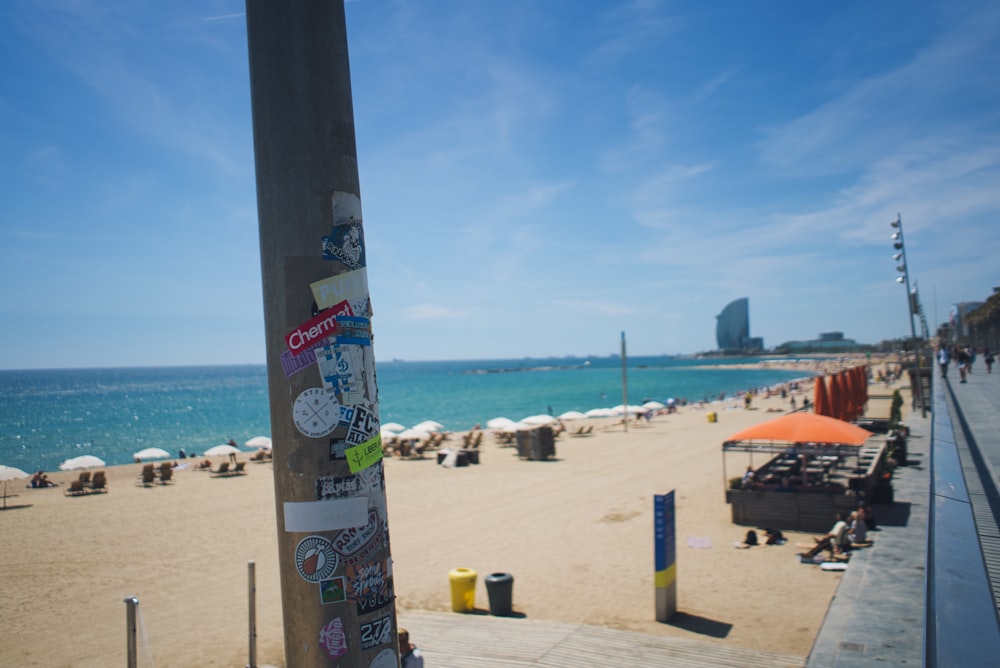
(877, 616)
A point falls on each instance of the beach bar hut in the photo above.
(810, 467)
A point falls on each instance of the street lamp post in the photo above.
(904, 277)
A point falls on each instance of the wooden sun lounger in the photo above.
(166, 474)
(76, 488)
(99, 483)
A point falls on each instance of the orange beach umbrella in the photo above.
(804, 428)
(850, 396)
(821, 402)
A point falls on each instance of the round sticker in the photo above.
(315, 559)
(315, 412)
(384, 659)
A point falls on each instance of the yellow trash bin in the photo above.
(713, 416)
(463, 589)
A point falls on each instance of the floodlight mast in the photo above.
(904, 277)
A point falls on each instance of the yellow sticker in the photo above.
(364, 455)
(350, 286)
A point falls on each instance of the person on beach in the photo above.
(749, 541)
(409, 654)
(988, 359)
(833, 541)
(858, 531)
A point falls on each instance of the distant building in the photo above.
(732, 328)
(827, 342)
(956, 318)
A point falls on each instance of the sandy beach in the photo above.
(575, 532)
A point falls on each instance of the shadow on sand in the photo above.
(700, 625)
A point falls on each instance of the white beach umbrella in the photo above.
(630, 409)
(572, 415)
(81, 462)
(539, 419)
(259, 442)
(428, 425)
(223, 450)
(412, 434)
(499, 423)
(151, 453)
(600, 412)
(393, 426)
(9, 473)
(653, 405)
(388, 435)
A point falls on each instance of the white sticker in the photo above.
(315, 412)
(331, 515)
(385, 659)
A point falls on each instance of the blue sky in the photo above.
(536, 176)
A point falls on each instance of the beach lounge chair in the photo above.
(223, 469)
(241, 469)
(99, 483)
(76, 488)
(166, 474)
(147, 477)
(84, 478)
(420, 448)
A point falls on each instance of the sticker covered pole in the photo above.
(334, 559)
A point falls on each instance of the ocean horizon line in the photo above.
(704, 355)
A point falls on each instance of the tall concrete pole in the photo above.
(333, 535)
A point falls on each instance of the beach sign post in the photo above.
(334, 561)
(665, 556)
(624, 382)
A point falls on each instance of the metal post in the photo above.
(900, 245)
(334, 560)
(624, 382)
(252, 598)
(131, 629)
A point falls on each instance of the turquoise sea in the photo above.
(48, 416)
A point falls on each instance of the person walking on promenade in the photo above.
(962, 357)
(943, 359)
(409, 654)
(988, 358)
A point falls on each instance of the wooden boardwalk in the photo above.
(449, 640)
